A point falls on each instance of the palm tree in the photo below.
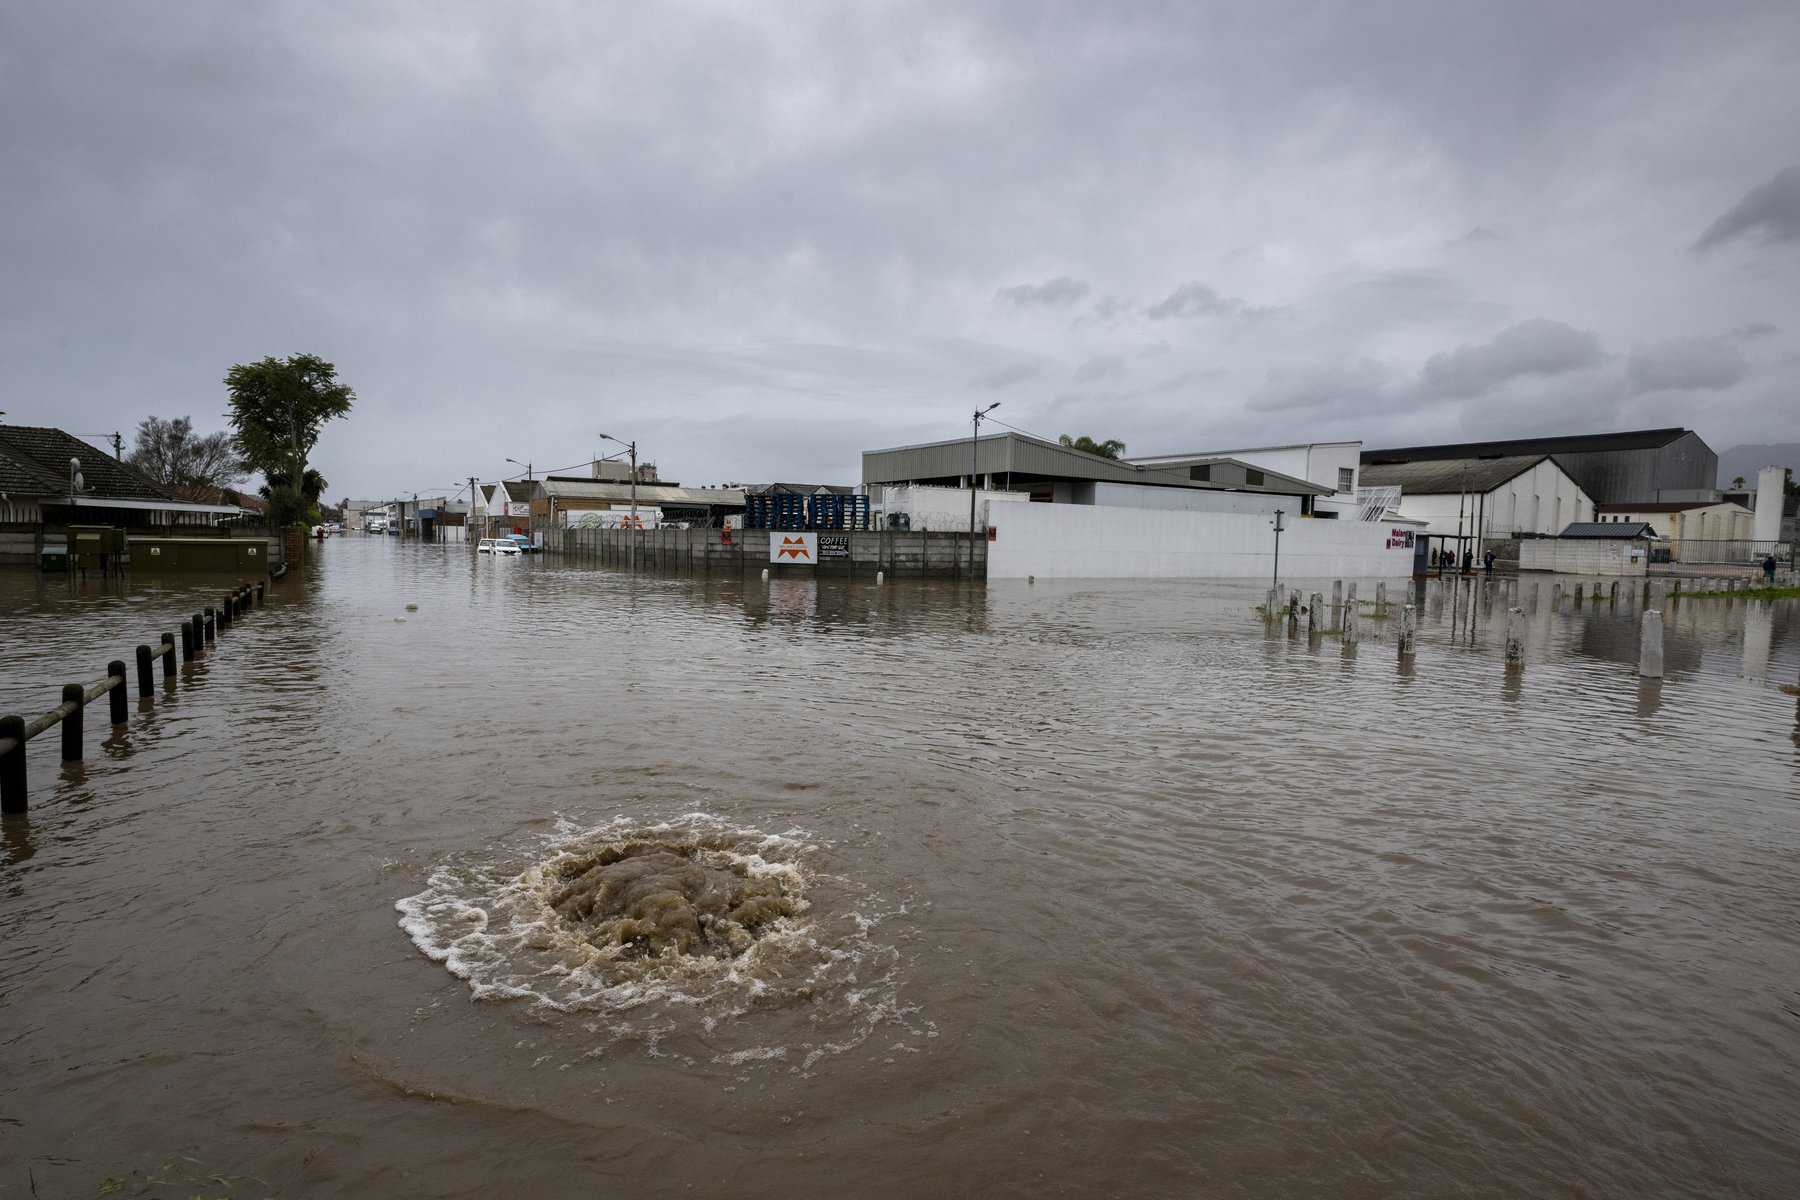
(312, 486)
(1110, 448)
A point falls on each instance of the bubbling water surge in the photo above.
(690, 916)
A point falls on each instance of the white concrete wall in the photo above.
(1137, 495)
(1542, 500)
(1584, 556)
(1056, 541)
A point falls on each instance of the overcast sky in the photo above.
(762, 239)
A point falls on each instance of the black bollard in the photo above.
(168, 655)
(199, 624)
(187, 641)
(73, 693)
(259, 595)
(115, 695)
(212, 628)
(12, 765)
(223, 616)
(145, 686)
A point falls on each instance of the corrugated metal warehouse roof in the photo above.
(1447, 476)
(1021, 454)
(1585, 443)
(1609, 529)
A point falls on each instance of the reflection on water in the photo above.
(1100, 888)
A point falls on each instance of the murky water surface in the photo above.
(1056, 890)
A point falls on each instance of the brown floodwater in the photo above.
(578, 883)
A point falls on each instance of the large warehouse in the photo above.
(1466, 502)
(1051, 473)
(1642, 466)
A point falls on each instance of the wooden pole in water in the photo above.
(168, 655)
(1650, 645)
(1515, 637)
(1350, 621)
(1381, 599)
(76, 696)
(1408, 617)
(1313, 626)
(12, 765)
(1337, 604)
(115, 695)
(146, 684)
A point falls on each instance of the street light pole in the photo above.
(631, 447)
(974, 434)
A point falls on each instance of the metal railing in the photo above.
(197, 633)
(1729, 551)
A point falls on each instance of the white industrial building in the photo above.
(1037, 470)
(1484, 499)
(1052, 511)
(1331, 465)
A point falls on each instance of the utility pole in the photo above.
(118, 447)
(471, 521)
(974, 435)
(631, 448)
(1275, 576)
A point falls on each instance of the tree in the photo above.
(192, 466)
(1737, 483)
(1110, 448)
(278, 407)
(312, 486)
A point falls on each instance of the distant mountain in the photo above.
(1748, 460)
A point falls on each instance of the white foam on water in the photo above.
(492, 925)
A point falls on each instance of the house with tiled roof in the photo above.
(50, 480)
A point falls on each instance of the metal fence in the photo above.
(1741, 552)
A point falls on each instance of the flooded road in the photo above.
(1071, 889)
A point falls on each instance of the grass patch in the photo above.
(1767, 593)
(1791, 689)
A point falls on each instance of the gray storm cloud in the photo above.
(1686, 365)
(816, 230)
(1052, 293)
(1535, 347)
(1768, 212)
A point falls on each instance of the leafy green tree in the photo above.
(193, 466)
(278, 408)
(1110, 448)
(1737, 483)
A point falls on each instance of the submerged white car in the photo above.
(497, 546)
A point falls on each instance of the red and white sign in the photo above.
(785, 547)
